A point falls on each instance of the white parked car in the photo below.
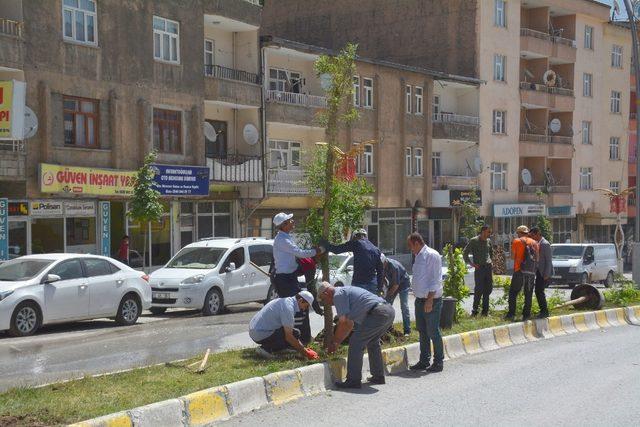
(340, 269)
(36, 290)
(213, 273)
(581, 263)
(468, 278)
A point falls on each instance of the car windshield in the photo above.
(567, 252)
(22, 269)
(200, 258)
(336, 261)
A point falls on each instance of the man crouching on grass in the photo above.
(272, 327)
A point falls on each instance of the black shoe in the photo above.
(436, 367)
(419, 366)
(348, 384)
(484, 314)
(474, 313)
(542, 315)
(376, 380)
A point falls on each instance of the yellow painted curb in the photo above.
(394, 359)
(471, 341)
(283, 386)
(601, 319)
(502, 336)
(338, 368)
(530, 330)
(555, 326)
(620, 315)
(120, 419)
(579, 321)
(207, 406)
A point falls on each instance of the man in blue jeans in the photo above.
(427, 288)
(399, 284)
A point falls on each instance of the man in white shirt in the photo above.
(427, 288)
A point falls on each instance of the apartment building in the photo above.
(553, 114)
(188, 87)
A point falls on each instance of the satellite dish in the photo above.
(326, 81)
(555, 125)
(250, 134)
(210, 132)
(526, 176)
(30, 123)
(549, 78)
(477, 164)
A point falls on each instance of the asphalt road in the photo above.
(589, 379)
(67, 351)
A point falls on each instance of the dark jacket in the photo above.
(367, 266)
(545, 266)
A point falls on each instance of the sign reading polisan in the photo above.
(515, 210)
(46, 208)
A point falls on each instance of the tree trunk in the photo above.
(144, 248)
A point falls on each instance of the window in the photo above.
(79, 21)
(213, 219)
(499, 121)
(68, 270)
(408, 161)
(167, 131)
(614, 148)
(498, 176)
(408, 97)
(261, 255)
(418, 157)
(236, 256)
(436, 105)
(615, 101)
(419, 97)
(284, 154)
(499, 64)
(588, 37)
(587, 79)
(435, 164)
(614, 186)
(499, 14)
(586, 132)
(367, 158)
(586, 178)
(166, 40)
(356, 91)
(616, 56)
(284, 80)
(81, 122)
(209, 48)
(97, 267)
(368, 92)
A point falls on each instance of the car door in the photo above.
(599, 264)
(260, 256)
(236, 281)
(68, 298)
(104, 285)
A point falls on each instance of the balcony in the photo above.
(456, 127)
(11, 43)
(235, 169)
(283, 181)
(556, 146)
(453, 182)
(232, 86)
(12, 160)
(246, 11)
(556, 195)
(294, 108)
(535, 95)
(538, 43)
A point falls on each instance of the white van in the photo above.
(576, 263)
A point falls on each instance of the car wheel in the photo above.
(584, 279)
(128, 310)
(609, 280)
(157, 310)
(26, 319)
(213, 303)
(271, 295)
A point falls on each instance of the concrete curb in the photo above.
(208, 406)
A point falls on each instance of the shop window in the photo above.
(47, 235)
(81, 122)
(214, 219)
(17, 239)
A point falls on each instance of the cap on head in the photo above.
(306, 295)
(280, 218)
(322, 288)
(522, 229)
(360, 232)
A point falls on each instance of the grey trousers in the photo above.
(367, 335)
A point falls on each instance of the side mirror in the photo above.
(230, 267)
(349, 269)
(50, 278)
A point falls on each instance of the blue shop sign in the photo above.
(561, 211)
(182, 180)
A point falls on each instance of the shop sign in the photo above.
(458, 197)
(18, 209)
(105, 228)
(41, 208)
(12, 104)
(87, 181)
(4, 229)
(515, 210)
(182, 180)
(79, 208)
(558, 211)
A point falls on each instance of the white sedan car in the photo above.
(52, 288)
(468, 278)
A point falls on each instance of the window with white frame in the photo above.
(436, 169)
(616, 56)
(166, 40)
(80, 21)
(408, 97)
(586, 178)
(499, 64)
(284, 80)
(614, 148)
(587, 80)
(367, 160)
(368, 92)
(499, 13)
(499, 121)
(588, 37)
(419, 97)
(614, 186)
(498, 176)
(418, 160)
(209, 46)
(586, 133)
(284, 154)
(408, 161)
(615, 101)
(356, 91)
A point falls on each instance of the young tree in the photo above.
(545, 227)
(145, 206)
(471, 221)
(454, 285)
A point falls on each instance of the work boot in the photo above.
(436, 367)
(376, 380)
(419, 366)
(348, 384)
(542, 315)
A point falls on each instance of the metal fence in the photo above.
(221, 72)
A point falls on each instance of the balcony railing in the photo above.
(296, 99)
(543, 88)
(545, 189)
(220, 72)
(559, 139)
(455, 182)
(532, 137)
(282, 181)
(235, 168)
(456, 118)
(256, 2)
(13, 146)
(527, 32)
(10, 28)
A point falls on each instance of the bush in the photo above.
(454, 281)
(556, 297)
(625, 292)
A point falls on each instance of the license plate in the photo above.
(162, 295)
(556, 277)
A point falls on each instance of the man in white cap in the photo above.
(273, 326)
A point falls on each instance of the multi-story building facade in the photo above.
(104, 98)
(553, 113)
